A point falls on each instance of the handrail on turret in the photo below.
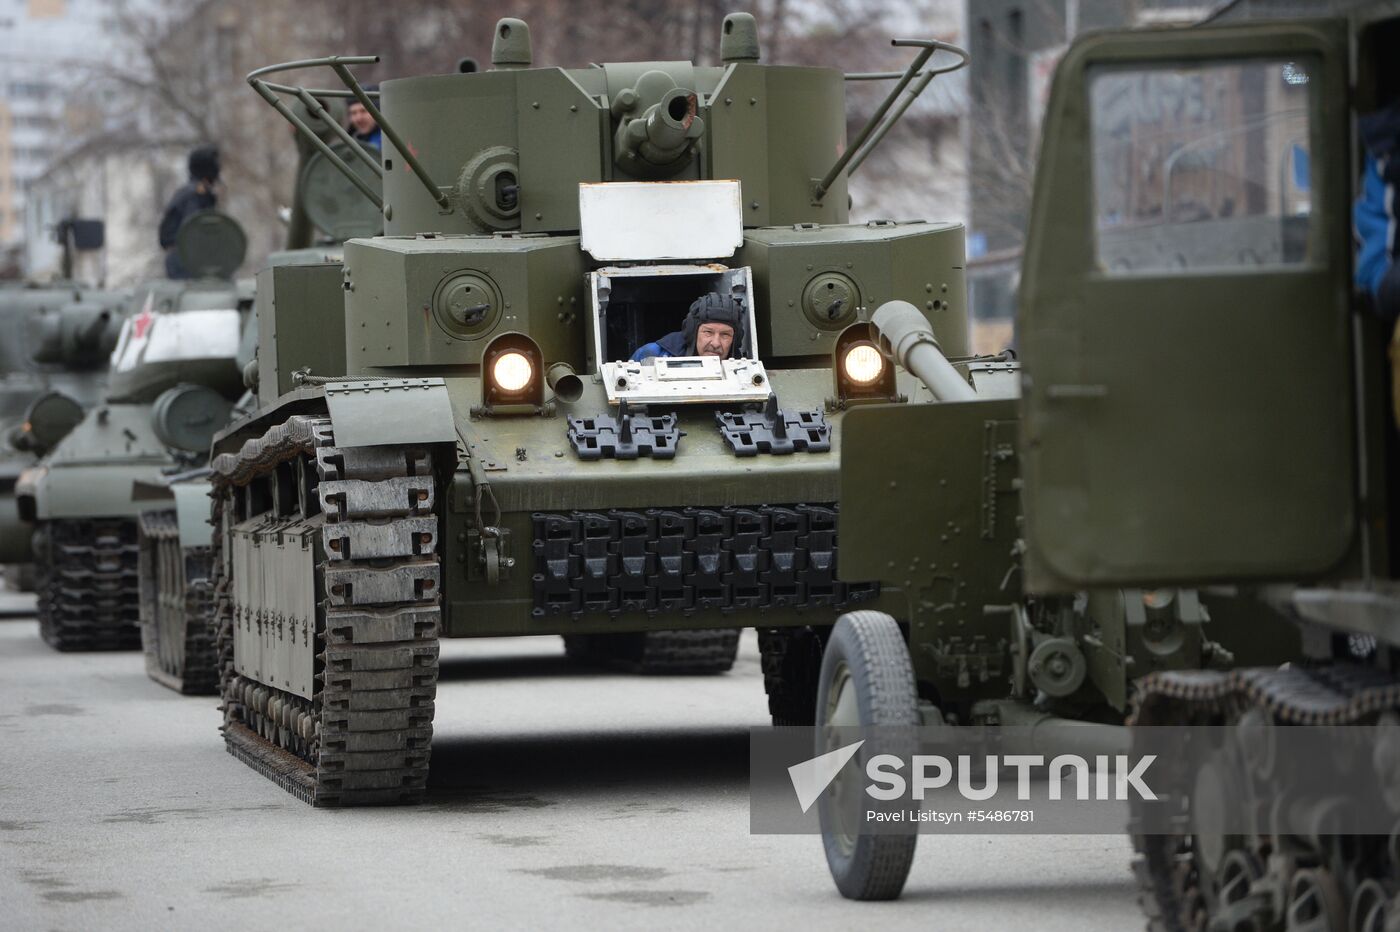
(340, 64)
(874, 131)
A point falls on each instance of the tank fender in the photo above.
(378, 412)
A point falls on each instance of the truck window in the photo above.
(1201, 166)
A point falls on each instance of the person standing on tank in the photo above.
(362, 125)
(198, 194)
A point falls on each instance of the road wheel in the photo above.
(867, 679)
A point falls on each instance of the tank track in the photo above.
(88, 585)
(660, 653)
(1171, 891)
(792, 661)
(365, 736)
(176, 594)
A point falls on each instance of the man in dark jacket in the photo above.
(713, 327)
(193, 197)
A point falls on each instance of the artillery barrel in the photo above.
(910, 338)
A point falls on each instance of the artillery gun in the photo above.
(468, 448)
(931, 508)
(174, 563)
(172, 379)
(1268, 472)
(52, 366)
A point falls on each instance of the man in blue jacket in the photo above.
(1374, 215)
(714, 326)
(362, 125)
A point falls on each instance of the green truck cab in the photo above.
(1207, 402)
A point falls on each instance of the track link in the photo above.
(659, 653)
(88, 585)
(177, 603)
(1173, 893)
(364, 737)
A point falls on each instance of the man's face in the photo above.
(714, 339)
(360, 118)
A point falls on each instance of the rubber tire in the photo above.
(872, 646)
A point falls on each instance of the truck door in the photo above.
(1185, 311)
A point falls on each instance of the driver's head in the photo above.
(714, 339)
(714, 326)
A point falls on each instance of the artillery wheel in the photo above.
(867, 679)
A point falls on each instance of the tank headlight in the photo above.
(512, 372)
(512, 375)
(1158, 598)
(863, 364)
(862, 373)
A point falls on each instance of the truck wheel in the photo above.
(867, 679)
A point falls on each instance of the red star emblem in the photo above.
(141, 323)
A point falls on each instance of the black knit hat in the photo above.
(204, 163)
(714, 309)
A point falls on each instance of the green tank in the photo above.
(454, 439)
(1223, 418)
(174, 532)
(172, 378)
(52, 366)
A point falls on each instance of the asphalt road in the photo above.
(560, 798)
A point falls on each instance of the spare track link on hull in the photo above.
(88, 587)
(677, 653)
(177, 603)
(1171, 890)
(364, 738)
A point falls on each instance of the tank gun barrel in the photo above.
(76, 336)
(666, 127)
(910, 339)
(90, 335)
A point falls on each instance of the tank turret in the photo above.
(53, 361)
